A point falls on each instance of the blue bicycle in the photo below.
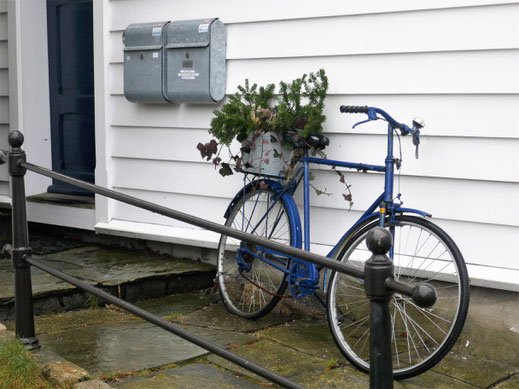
(252, 279)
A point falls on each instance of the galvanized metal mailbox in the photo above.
(143, 62)
(195, 61)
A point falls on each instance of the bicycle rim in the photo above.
(254, 292)
(421, 337)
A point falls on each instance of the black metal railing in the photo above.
(378, 273)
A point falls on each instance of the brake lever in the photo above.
(362, 122)
(372, 115)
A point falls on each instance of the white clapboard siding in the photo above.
(464, 115)
(4, 130)
(235, 11)
(4, 82)
(423, 73)
(4, 176)
(328, 225)
(4, 110)
(381, 33)
(179, 145)
(444, 198)
(4, 61)
(453, 63)
(196, 205)
(4, 93)
(3, 26)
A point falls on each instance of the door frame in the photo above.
(29, 105)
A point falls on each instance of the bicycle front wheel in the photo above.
(421, 337)
(251, 279)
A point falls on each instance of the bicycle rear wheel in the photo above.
(251, 279)
(421, 337)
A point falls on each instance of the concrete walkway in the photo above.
(123, 351)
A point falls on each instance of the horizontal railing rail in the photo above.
(199, 222)
(378, 272)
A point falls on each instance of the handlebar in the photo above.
(373, 114)
(354, 109)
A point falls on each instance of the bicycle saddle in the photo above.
(312, 141)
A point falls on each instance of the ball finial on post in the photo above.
(15, 139)
(379, 241)
(424, 295)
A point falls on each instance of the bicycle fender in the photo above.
(246, 189)
(293, 213)
(412, 210)
(373, 216)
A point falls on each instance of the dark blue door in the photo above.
(71, 79)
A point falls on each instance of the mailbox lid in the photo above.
(144, 36)
(143, 62)
(188, 33)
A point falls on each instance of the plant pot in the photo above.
(264, 154)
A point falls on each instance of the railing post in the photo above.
(23, 304)
(376, 270)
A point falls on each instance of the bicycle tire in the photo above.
(254, 293)
(429, 334)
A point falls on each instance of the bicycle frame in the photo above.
(384, 201)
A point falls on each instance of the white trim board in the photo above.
(482, 276)
(160, 233)
(82, 218)
(5, 200)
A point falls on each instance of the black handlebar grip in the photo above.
(353, 109)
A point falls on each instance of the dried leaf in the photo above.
(225, 170)
(207, 150)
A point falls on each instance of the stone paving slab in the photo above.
(483, 341)
(42, 282)
(114, 267)
(470, 369)
(169, 306)
(433, 380)
(345, 377)
(193, 376)
(130, 275)
(99, 266)
(217, 317)
(130, 346)
(510, 383)
(179, 304)
(311, 337)
(273, 356)
(108, 340)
